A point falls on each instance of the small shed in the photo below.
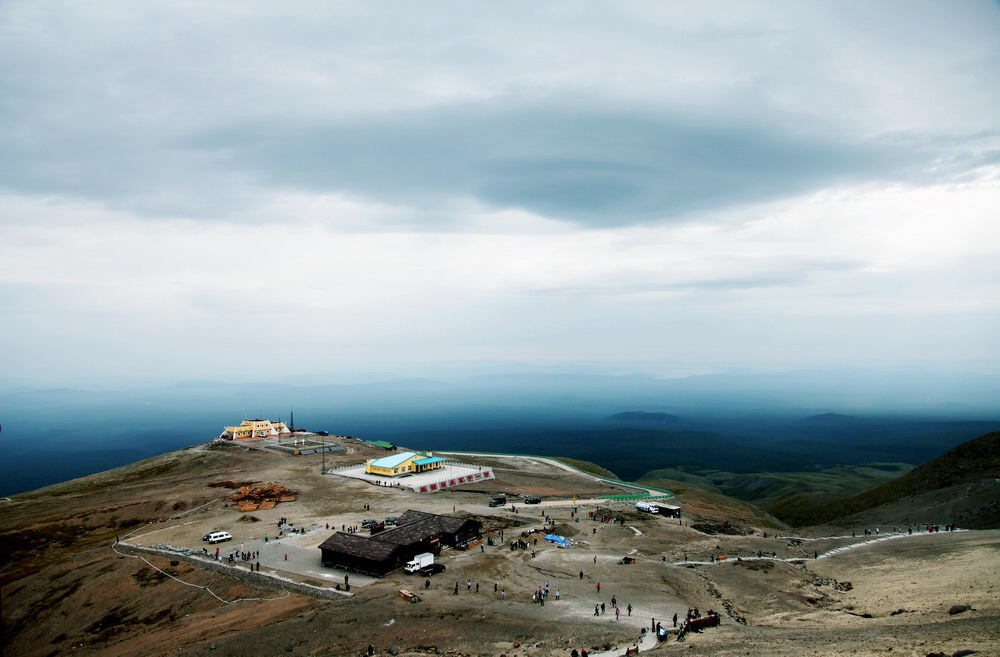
(383, 444)
(669, 510)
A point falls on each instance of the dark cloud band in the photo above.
(587, 164)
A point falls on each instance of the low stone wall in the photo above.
(482, 474)
(252, 579)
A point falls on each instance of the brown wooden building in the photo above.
(389, 550)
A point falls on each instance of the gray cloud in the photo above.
(789, 273)
(722, 284)
(583, 160)
(159, 110)
(579, 161)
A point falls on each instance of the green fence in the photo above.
(631, 498)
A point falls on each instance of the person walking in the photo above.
(456, 589)
(618, 613)
(629, 609)
(675, 620)
(581, 574)
(602, 609)
(598, 587)
(596, 610)
(557, 594)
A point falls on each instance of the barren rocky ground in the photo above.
(66, 591)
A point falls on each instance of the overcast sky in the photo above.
(250, 190)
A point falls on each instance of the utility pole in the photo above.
(323, 467)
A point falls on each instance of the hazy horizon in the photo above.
(759, 421)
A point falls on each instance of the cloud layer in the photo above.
(190, 186)
(570, 159)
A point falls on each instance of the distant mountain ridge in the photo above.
(973, 461)
(644, 416)
(830, 418)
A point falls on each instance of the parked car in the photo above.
(432, 569)
(367, 523)
(322, 433)
(532, 500)
(217, 537)
(391, 520)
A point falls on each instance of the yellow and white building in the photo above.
(255, 430)
(404, 463)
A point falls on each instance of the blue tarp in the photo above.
(558, 540)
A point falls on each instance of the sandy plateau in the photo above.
(67, 591)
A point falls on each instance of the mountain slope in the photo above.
(973, 461)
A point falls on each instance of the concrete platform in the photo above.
(453, 474)
(302, 446)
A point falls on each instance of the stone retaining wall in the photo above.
(252, 579)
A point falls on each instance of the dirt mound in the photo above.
(727, 528)
(231, 484)
(249, 498)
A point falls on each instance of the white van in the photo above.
(217, 537)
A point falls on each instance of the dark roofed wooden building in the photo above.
(433, 531)
(362, 555)
(384, 552)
